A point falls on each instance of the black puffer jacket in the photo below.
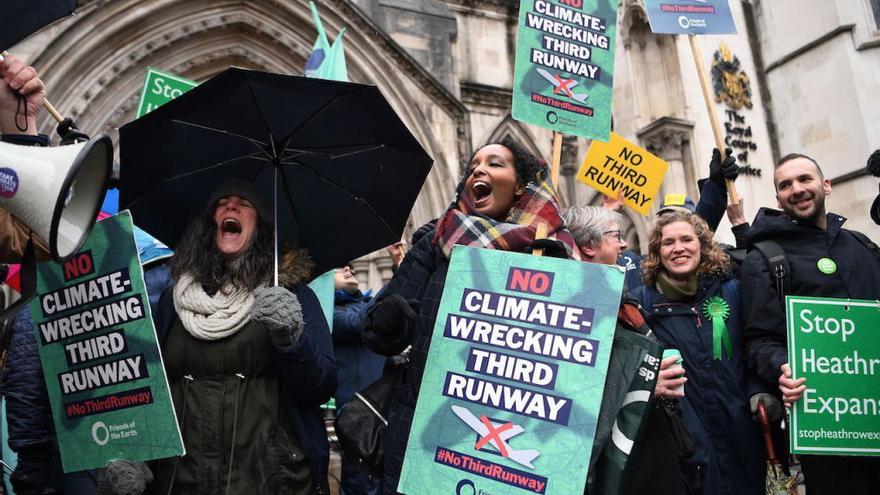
(857, 277)
(29, 415)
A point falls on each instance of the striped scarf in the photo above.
(538, 204)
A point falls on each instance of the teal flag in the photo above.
(323, 287)
(326, 61)
(514, 379)
(103, 369)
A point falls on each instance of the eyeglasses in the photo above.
(613, 233)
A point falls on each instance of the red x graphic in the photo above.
(493, 434)
(563, 86)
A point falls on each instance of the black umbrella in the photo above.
(21, 18)
(347, 170)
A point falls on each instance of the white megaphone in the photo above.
(56, 191)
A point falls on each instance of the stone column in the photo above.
(669, 138)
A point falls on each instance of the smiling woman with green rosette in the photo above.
(693, 305)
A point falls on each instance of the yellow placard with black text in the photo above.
(620, 165)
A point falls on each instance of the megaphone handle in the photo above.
(49, 107)
(52, 111)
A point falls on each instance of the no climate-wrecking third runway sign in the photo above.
(564, 66)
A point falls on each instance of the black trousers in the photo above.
(844, 475)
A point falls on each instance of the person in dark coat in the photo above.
(249, 364)
(356, 365)
(28, 413)
(627, 462)
(499, 202)
(693, 305)
(29, 418)
(808, 235)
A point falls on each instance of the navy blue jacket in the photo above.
(28, 413)
(857, 277)
(715, 408)
(356, 365)
(308, 369)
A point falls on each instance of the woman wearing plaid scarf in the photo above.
(499, 203)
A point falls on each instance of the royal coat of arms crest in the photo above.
(730, 82)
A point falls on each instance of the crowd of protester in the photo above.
(249, 363)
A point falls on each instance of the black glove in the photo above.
(553, 248)
(393, 314)
(720, 171)
(772, 405)
(873, 164)
(278, 309)
(34, 471)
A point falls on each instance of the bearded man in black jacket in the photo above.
(826, 260)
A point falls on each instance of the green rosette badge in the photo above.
(717, 310)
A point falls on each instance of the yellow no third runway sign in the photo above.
(619, 165)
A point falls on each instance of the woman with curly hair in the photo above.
(501, 199)
(693, 305)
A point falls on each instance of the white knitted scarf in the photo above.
(211, 317)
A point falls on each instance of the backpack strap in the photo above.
(780, 269)
(866, 242)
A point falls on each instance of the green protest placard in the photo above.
(514, 377)
(565, 65)
(160, 88)
(833, 344)
(104, 373)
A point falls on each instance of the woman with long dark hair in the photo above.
(249, 364)
(501, 199)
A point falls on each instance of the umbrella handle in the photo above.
(765, 424)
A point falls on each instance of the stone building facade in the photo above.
(811, 69)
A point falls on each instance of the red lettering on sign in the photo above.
(81, 264)
(531, 281)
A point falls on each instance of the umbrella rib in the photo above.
(254, 155)
(315, 115)
(251, 140)
(344, 190)
(292, 209)
(262, 116)
(300, 152)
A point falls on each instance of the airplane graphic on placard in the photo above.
(497, 434)
(563, 85)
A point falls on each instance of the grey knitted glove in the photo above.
(771, 404)
(280, 311)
